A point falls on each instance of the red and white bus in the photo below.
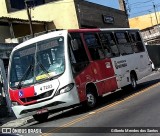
(68, 67)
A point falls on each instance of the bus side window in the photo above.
(136, 41)
(109, 45)
(78, 57)
(94, 46)
(123, 43)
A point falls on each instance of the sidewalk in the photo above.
(12, 121)
(9, 120)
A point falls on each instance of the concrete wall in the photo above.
(91, 14)
(154, 53)
(3, 8)
(65, 14)
(62, 13)
(145, 21)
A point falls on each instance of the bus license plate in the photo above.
(42, 111)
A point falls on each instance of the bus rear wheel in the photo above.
(41, 117)
(133, 81)
(91, 99)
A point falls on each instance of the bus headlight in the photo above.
(65, 89)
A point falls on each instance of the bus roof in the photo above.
(116, 29)
(40, 37)
(50, 34)
(100, 29)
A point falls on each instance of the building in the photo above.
(151, 35)
(149, 25)
(94, 15)
(145, 21)
(58, 14)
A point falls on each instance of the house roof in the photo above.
(5, 20)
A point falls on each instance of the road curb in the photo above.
(30, 120)
(18, 122)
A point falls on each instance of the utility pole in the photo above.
(151, 17)
(151, 20)
(29, 17)
(123, 7)
(155, 12)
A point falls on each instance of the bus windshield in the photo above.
(37, 62)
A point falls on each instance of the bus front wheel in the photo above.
(41, 117)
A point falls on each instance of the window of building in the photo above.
(17, 4)
(124, 44)
(136, 42)
(94, 46)
(20, 4)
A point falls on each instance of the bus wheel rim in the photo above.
(133, 82)
(90, 99)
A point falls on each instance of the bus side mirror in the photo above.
(74, 44)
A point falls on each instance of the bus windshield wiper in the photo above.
(25, 75)
(45, 70)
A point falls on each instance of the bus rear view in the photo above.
(38, 81)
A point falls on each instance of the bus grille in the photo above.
(43, 95)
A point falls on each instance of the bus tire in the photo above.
(41, 117)
(91, 99)
(133, 81)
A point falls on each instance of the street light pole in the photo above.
(29, 17)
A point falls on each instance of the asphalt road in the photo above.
(138, 109)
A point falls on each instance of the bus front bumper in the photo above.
(58, 102)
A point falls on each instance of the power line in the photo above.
(145, 10)
(141, 6)
(142, 11)
(140, 2)
(155, 12)
(144, 6)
